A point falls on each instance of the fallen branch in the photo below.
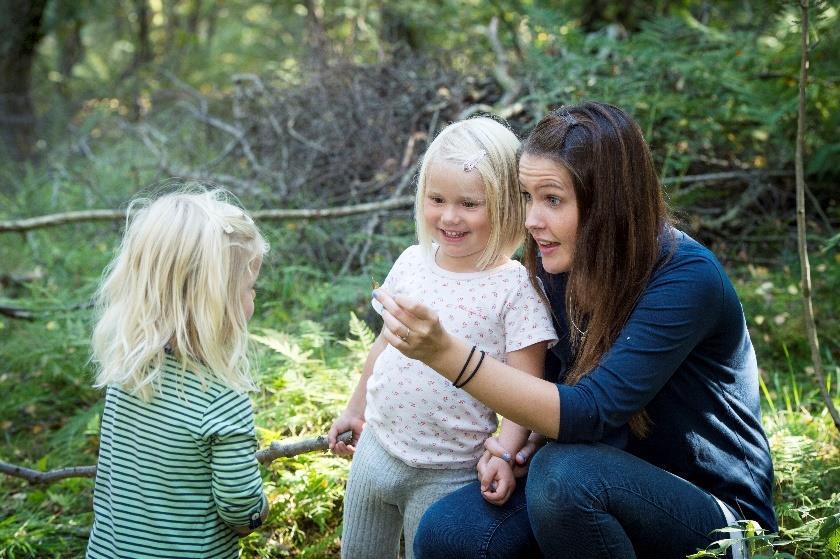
(401, 202)
(265, 215)
(13, 312)
(724, 175)
(264, 456)
(38, 477)
(749, 196)
(29, 314)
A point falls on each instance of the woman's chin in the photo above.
(555, 265)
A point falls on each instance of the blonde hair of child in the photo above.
(177, 279)
(462, 142)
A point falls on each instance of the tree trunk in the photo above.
(172, 24)
(194, 17)
(20, 34)
(144, 46)
(316, 34)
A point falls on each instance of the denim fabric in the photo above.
(583, 500)
(464, 525)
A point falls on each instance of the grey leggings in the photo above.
(385, 496)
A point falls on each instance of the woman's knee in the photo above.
(441, 532)
(563, 481)
(463, 525)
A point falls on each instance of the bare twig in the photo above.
(265, 456)
(801, 223)
(238, 134)
(723, 176)
(286, 450)
(363, 247)
(510, 86)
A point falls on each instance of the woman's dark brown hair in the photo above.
(621, 218)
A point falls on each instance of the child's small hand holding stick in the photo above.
(497, 479)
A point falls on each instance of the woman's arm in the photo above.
(530, 360)
(680, 307)
(497, 477)
(529, 401)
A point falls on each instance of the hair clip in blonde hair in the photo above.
(227, 228)
(471, 162)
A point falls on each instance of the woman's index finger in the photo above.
(416, 308)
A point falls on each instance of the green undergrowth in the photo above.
(50, 417)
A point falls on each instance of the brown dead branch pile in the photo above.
(347, 133)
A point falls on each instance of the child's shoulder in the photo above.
(199, 389)
(413, 252)
(413, 256)
(512, 270)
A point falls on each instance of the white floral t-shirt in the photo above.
(415, 413)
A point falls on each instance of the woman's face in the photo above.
(552, 210)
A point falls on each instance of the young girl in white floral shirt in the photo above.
(416, 436)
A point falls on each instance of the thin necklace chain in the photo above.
(572, 320)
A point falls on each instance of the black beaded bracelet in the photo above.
(464, 368)
(472, 374)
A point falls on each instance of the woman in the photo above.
(650, 401)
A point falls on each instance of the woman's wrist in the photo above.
(448, 356)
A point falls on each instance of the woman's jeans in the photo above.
(583, 500)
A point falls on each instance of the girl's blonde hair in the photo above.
(177, 279)
(485, 146)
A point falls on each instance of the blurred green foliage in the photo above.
(713, 85)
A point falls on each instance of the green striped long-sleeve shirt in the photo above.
(175, 473)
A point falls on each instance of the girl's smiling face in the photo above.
(455, 213)
(552, 210)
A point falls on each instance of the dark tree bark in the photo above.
(20, 34)
(194, 17)
(396, 30)
(172, 23)
(144, 45)
(598, 13)
(316, 35)
(72, 49)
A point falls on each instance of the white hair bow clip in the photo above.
(471, 162)
(227, 228)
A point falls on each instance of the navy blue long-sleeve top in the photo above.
(685, 356)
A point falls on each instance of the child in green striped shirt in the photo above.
(177, 475)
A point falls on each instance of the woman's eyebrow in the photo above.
(548, 183)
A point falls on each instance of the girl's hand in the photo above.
(497, 481)
(410, 327)
(347, 421)
(520, 461)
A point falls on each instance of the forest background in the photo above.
(324, 104)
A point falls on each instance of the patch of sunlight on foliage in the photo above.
(306, 379)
